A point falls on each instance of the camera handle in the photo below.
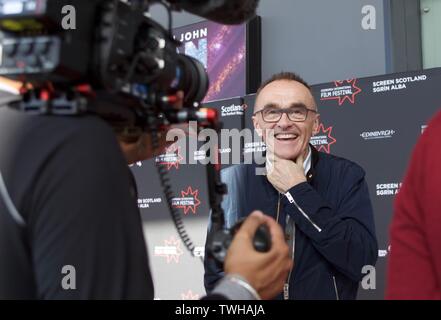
(51, 101)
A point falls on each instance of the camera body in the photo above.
(112, 46)
(35, 47)
(221, 240)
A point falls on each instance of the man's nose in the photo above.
(284, 121)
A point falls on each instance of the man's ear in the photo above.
(315, 127)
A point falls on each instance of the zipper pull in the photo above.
(286, 291)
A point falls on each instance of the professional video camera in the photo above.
(109, 57)
(112, 47)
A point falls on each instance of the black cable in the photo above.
(165, 182)
(170, 16)
(162, 172)
(139, 55)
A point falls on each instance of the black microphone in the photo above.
(221, 11)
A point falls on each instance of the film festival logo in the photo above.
(189, 295)
(323, 140)
(171, 250)
(171, 158)
(189, 200)
(345, 90)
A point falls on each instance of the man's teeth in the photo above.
(286, 136)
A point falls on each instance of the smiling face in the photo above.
(291, 138)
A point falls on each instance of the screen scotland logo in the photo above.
(233, 110)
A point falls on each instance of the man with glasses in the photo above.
(322, 201)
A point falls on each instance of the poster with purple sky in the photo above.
(222, 50)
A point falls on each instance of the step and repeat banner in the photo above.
(373, 121)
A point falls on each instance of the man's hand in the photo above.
(266, 272)
(285, 174)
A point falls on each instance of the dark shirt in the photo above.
(69, 182)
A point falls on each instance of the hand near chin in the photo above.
(284, 174)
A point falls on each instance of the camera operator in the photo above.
(69, 222)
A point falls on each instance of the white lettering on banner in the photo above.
(383, 83)
(379, 134)
(170, 157)
(171, 250)
(199, 155)
(319, 140)
(195, 34)
(395, 84)
(188, 201)
(166, 250)
(232, 110)
(226, 150)
(146, 202)
(346, 90)
(258, 146)
(382, 253)
(388, 189)
(343, 90)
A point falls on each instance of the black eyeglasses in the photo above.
(296, 114)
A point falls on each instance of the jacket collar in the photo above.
(315, 155)
(310, 175)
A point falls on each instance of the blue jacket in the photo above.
(334, 224)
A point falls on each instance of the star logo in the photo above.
(189, 200)
(323, 140)
(343, 90)
(189, 295)
(171, 158)
(171, 250)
